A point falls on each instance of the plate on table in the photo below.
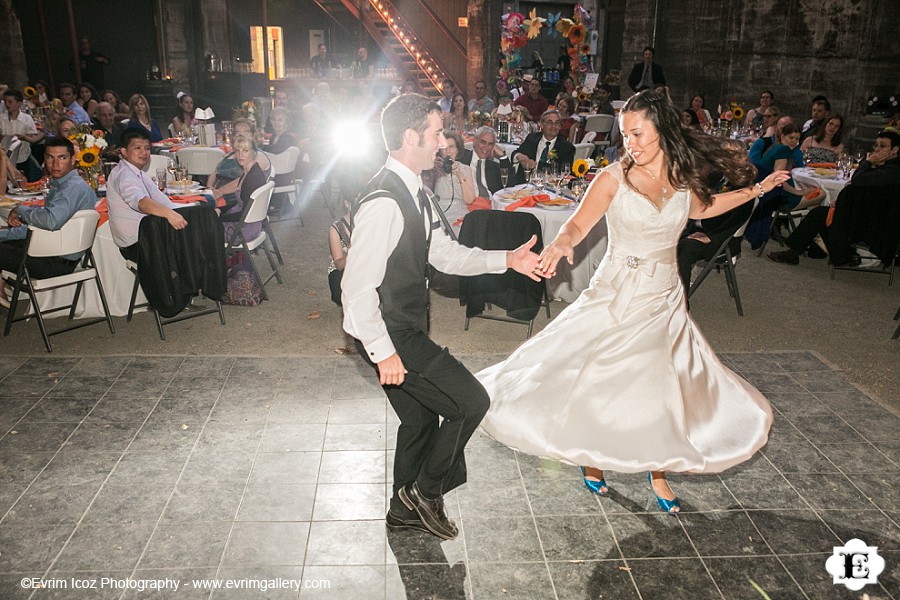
(26, 193)
(174, 188)
(824, 173)
(559, 203)
(515, 193)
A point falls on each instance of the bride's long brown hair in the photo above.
(692, 154)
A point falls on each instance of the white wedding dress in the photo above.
(623, 379)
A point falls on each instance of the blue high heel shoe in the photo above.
(668, 506)
(598, 487)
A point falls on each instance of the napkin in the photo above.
(187, 199)
(824, 165)
(528, 201)
(102, 208)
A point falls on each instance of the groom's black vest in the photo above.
(403, 293)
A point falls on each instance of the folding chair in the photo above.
(199, 161)
(257, 213)
(602, 124)
(77, 235)
(521, 296)
(285, 164)
(897, 332)
(158, 161)
(723, 259)
(583, 150)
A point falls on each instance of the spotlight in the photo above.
(352, 137)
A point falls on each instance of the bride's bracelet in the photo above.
(762, 192)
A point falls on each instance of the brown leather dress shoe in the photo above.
(395, 521)
(431, 512)
(787, 257)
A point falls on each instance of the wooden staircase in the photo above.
(399, 43)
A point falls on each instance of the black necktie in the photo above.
(545, 154)
(479, 178)
(425, 207)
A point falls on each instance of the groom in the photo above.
(385, 297)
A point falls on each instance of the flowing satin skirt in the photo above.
(644, 393)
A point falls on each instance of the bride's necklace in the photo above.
(665, 189)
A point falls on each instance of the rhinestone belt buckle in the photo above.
(632, 262)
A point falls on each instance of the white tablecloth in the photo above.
(569, 281)
(807, 177)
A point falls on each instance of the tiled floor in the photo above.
(278, 469)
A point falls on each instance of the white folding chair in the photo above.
(77, 235)
(723, 259)
(171, 130)
(199, 161)
(589, 137)
(158, 161)
(617, 105)
(583, 150)
(601, 124)
(286, 164)
(257, 213)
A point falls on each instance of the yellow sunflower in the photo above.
(738, 113)
(30, 92)
(576, 34)
(88, 158)
(580, 167)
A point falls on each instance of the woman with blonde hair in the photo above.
(139, 110)
(256, 170)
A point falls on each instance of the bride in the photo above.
(623, 379)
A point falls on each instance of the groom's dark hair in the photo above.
(406, 111)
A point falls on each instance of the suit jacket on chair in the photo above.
(565, 152)
(491, 169)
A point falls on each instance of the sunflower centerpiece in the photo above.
(88, 145)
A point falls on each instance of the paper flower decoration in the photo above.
(583, 15)
(534, 24)
(576, 34)
(552, 20)
(564, 25)
(514, 21)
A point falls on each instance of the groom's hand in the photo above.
(391, 370)
(523, 260)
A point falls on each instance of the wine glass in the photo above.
(504, 175)
(528, 171)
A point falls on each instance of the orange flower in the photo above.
(573, 53)
(586, 49)
(576, 34)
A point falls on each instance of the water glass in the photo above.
(182, 174)
(161, 179)
(504, 175)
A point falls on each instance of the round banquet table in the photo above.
(832, 185)
(570, 280)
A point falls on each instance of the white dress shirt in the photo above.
(378, 226)
(126, 186)
(21, 125)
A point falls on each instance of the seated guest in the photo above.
(602, 100)
(454, 187)
(223, 182)
(184, 117)
(446, 99)
(457, 117)
(339, 244)
(140, 117)
(533, 101)
(120, 107)
(66, 128)
(486, 161)
(10, 176)
(772, 136)
(826, 145)
(17, 125)
(504, 109)
(697, 102)
(68, 194)
(782, 157)
(535, 150)
(481, 102)
(69, 97)
(689, 119)
(820, 110)
(701, 239)
(256, 170)
(87, 98)
(879, 170)
(565, 105)
(131, 195)
(755, 116)
(105, 121)
(282, 135)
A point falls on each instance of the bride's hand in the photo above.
(552, 254)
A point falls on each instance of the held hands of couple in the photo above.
(553, 253)
(523, 260)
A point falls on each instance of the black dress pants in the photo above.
(690, 252)
(440, 404)
(39, 267)
(813, 224)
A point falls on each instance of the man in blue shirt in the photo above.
(74, 111)
(68, 194)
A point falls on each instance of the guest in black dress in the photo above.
(257, 169)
